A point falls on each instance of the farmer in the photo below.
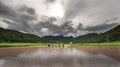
(48, 45)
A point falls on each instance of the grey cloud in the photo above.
(102, 27)
(64, 29)
(97, 11)
(22, 21)
(50, 1)
(112, 19)
(12, 25)
(52, 19)
(28, 10)
(80, 26)
(34, 28)
(73, 8)
(6, 11)
(26, 18)
(93, 10)
(9, 13)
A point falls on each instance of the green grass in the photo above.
(66, 45)
(99, 44)
(22, 44)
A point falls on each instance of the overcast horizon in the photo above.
(59, 17)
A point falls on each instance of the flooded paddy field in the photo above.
(60, 57)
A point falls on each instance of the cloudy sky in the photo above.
(59, 17)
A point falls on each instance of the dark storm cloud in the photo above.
(64, 29)
(21, 19)
(6, 11)
(102, 27)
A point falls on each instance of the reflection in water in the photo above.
(110, 51)
(59, 57)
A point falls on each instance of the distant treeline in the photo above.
(7, 35)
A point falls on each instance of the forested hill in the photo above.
(7, 35)
(59, 39)
(81, 39)
(109, 36)
(114, 30)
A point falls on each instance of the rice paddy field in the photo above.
(55, 55)
(55, 44)
(22, 44)
(99, 44)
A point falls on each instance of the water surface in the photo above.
(60, 57)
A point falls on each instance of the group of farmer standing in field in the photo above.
(58, 45)
(49, 45)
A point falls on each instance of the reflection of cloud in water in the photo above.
(55, 57)
(2, 62)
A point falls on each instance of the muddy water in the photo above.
(60, 57)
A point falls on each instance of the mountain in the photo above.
(7, 35)
(108, 36)
(58, 39)
(83, 38)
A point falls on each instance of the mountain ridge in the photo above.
(7, 35)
